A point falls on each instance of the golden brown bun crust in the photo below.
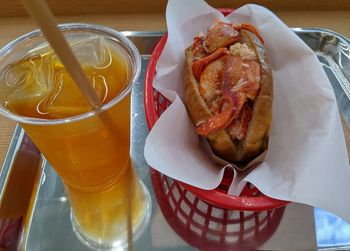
(256, 139)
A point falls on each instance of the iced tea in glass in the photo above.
(89, 149)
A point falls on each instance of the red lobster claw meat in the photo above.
(199, 65)
(240, 81)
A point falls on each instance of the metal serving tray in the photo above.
(180, 220)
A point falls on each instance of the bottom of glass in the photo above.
(123, 241)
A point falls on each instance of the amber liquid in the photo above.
(91, 155)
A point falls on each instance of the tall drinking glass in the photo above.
(90, 150)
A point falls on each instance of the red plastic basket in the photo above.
(209, 227)
(155, 103)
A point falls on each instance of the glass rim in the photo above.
(77, 26)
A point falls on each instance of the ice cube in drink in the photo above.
(25, 83)
(40, 87)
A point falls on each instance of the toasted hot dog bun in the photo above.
(256, 138)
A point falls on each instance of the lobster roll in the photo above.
(228, 90)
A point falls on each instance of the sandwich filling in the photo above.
(229, 78)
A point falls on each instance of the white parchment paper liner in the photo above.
(306, 161)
